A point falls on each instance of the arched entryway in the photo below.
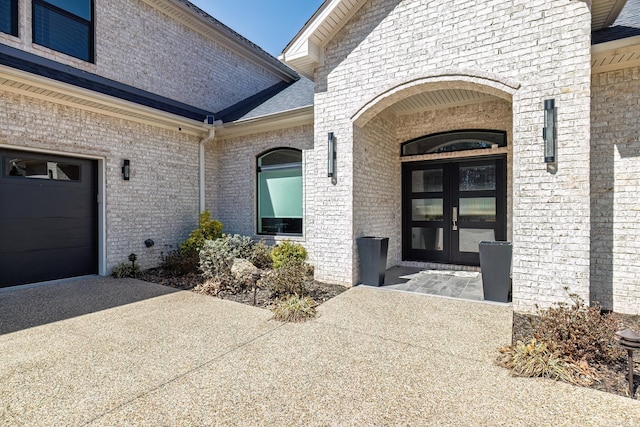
(432, 166)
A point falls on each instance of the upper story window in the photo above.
(280, 192)
(9, 17)
(65, 26)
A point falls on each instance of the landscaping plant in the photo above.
(568, 341)
(295, 309)
(286, 252)
(287, 280)
(208, 229)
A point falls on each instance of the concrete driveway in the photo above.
(104, 352)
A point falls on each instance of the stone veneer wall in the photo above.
(615, 174)
(231, 185)
(544, 46)
(140, 46)
(161, 199)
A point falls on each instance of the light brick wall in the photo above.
(615, 174)
(542, 45)
(140, 46)
(160, 201)
(231, 182)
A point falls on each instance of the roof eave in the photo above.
(615, 55)
(271, 122)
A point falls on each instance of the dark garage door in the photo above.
(48, 217)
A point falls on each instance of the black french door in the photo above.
(449, 207)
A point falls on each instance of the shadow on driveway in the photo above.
(26, 307)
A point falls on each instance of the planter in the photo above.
(373, 259)
(495, 263)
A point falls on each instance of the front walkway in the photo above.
(177, 358)
(447, 283)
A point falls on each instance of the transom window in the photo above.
(65, 26)
(26, 167)
(280, 192)
(9, 17)
(455, 141)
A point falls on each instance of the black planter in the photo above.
(495, 263)
(373, 259)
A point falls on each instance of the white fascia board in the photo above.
(610, 47)
(50, 90)
(271, 122)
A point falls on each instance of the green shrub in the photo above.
(208, 229)
(288, 280)
(179, 263)
(126, 269)
(238, 246)
(287, 252)
(295, 309)
(261, 256)
(579, 332)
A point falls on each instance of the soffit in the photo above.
(438, 99)
(209, 27)
(305, 52)
(22, 83)
(615, 55)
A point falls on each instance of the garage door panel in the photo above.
(38, 266)
(48, 217)
(24, 234)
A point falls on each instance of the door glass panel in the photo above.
(478, 178)
(426, 181)
(477, 209)
(471, 237)
(427, 238)
(41, 169)
(427, 210)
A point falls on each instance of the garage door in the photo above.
(48, 217)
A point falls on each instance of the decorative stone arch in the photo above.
(488, 83)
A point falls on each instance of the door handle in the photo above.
(454, 218)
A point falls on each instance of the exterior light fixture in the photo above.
(331, 156)
(549, 131)
(126, 170)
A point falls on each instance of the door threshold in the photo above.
(438, 266)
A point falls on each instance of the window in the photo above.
(65, 26)
(454, 141)
(9, 17)
(40, 169)
(280, 192)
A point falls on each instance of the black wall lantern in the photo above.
(331, 156)
(126, 170)
(549, 132)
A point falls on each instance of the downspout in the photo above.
(212, 133)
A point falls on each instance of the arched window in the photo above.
(280, 192)
(454, 141)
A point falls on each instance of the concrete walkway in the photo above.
(373, 357)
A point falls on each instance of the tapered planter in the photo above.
(373, 259)
(495, 263)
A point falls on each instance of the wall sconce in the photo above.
(126, 170)
(549, 131)
(331, 156)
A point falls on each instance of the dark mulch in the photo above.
(319, 291)
(612, 378)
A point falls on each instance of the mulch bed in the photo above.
(612, 378)
(319, 291)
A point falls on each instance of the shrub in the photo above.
(295, 309)
(579, 332)
(261, 256)
(215, 259)
(179, 263)
(208, 229)
(287, 252)
(287, 280)
(536, 359)
(238, 246)
(126, 269)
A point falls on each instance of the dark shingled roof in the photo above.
(626, 25)
(40, 66)
(276, 99)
